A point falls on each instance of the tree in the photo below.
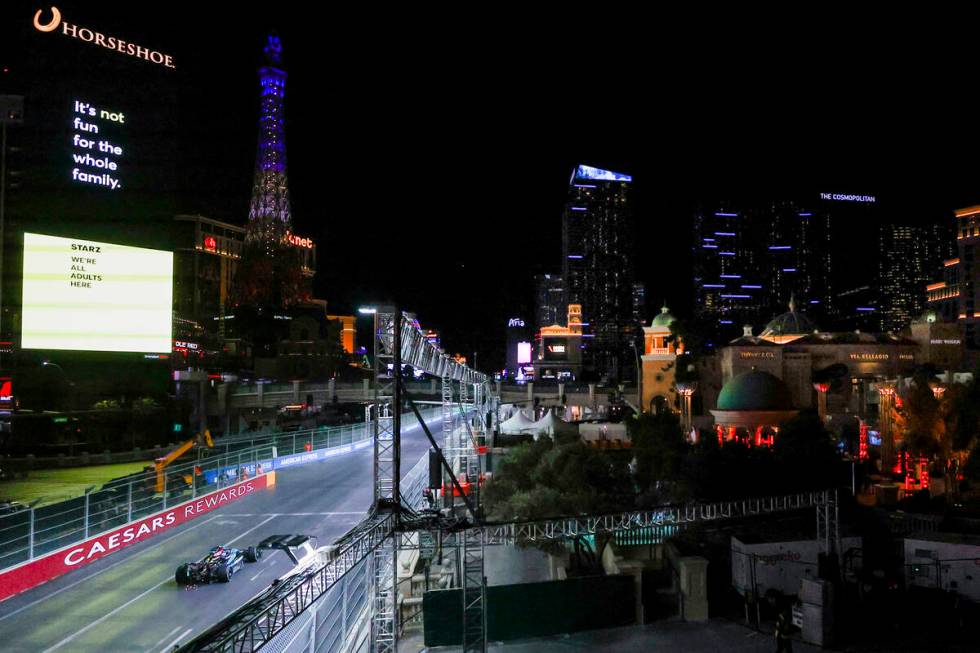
(659, 449)
(544, 479)
(962, 414)
(922, 422)
(692, 336)
(804, 454)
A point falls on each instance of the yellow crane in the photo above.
(160, 464)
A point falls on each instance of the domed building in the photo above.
(789, 326)
(850, 365)
(751, 407)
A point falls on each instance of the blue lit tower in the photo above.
(271, 271)
(268, 217)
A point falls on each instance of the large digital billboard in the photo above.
(91, 296)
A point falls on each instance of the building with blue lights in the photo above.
(750, 258)
(597, 270)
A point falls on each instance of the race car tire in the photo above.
(183, 575)
(223, 573)
(252, 554)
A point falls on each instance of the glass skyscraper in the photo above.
(597, 247)
(751, 257)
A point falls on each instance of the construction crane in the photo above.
(160, 464)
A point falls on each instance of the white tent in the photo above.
(516, 424)
(551, 425)
(508, 410)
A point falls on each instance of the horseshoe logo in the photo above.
(50, 27)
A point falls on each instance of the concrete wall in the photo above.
(952, 566)
(779, 566)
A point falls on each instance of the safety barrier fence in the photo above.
(284, 441)
(338, 620)
(42, 568)
(36, 531)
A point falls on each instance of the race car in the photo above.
(219, 565)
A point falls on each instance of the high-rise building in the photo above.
(955, 297)
(909, 258)
(597, 244)
(206, 259)
(639, 302)
(750, 258)
(549, 298)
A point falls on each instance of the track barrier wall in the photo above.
(34, 543)
(40, 570)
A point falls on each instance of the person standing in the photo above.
(784, 640)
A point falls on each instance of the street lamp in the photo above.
(639, 377)
(686, 390)
(70, 383)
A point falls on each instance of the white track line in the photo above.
(297, 514)
(115, 564)
(170, 634)
(257, 575)
(172, 644)
(135, 599)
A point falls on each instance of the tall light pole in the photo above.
(639, 378)
(70, 383)
(11, 113)
(373, 312)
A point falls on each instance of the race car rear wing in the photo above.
(287, 544)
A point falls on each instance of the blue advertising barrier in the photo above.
(229, 475)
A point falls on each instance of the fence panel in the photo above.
(28, 533)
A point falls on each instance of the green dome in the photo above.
(664, 319)
(755, 390)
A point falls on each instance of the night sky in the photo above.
(429, 155)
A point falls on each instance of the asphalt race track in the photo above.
(129, 601)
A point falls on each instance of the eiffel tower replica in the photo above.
(270, 276)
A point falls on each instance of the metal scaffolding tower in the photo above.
(387, 359)
(474, 592)
(387, 472)
(828, 531)
(448, 433)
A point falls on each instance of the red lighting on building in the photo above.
(210, 243)
(863, 442)
(6, 392)
(299, 241)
